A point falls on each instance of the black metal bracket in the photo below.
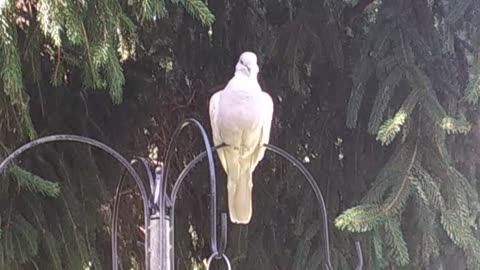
(156, 202)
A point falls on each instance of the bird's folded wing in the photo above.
(267, 114)
(213, 111)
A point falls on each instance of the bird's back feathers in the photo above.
(241, 117)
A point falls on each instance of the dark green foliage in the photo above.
(404, 60)
(361, 218)
(405, 72)
(45, 44)
(395, 244)
(74, 43)
(472, 92)
(19, 243)
(28, 181)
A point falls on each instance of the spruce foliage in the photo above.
(49, 44)
(414, 69)
(418, 103)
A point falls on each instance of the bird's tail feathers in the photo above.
(240, 195)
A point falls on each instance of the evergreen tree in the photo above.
(378, 98)
(413, 52)
(53, 44)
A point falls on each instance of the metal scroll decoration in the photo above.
(159, 208)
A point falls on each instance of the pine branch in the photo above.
(398, 250)
(58, 72)
(383, 98)
(72, 14)
(467, 188)
(411, 101)
(430, 248)
(390, 128)
(403, 187)
(198, 9)
(8, 249)
(48, 242)
(361, 73)
(92, 77)
(114, 76)
(152, 10)
(404, 50)
(388, 131)
(26, 240)
(426, 187)
(398, 46)
(34, 183)
(18, 244)
(78, 251)
(472, 92)
(389, 175)
(378, 247)
(456, 230)
(453, 126)
(361, 218)
(50, 21)
(11, 74)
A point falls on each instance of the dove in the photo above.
(241, 117)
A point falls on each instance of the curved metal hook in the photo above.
(215, 252)
(323, 209)
(214, 256)
(176, 188)
(318, 194)
(146, 166)
(359, 256)
(184, 173)
(303, 170)
(211, 167)
(223, 237)
(104, 147)
(116, 208)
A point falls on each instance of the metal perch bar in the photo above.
(211, 167)
(303, 170)
(156, 202)
(173, 197)
(116, 206)
(109, 150)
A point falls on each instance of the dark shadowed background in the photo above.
(377, 98)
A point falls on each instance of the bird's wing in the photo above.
(213, 111)
(240, 182)
(239, 192)
(266, 124)
(267, 116)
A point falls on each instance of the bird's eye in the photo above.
(241, 62)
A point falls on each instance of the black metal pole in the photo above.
(155, 207)
(303, 170)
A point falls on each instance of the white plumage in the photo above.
(241, 117)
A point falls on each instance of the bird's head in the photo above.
(247, 65)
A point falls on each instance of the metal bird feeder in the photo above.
(159, 207)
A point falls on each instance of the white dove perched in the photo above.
(241, 117)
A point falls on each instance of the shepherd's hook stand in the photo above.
(159, 208)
